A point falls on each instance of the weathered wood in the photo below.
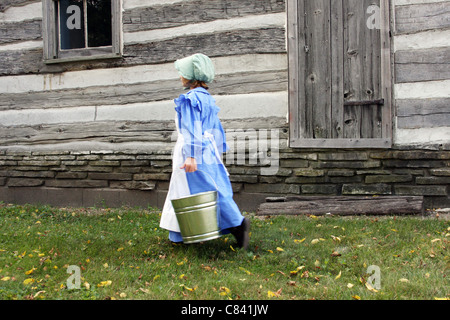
(269, 40)
(5, 4)
(340, 62)
(422, 65)
(423, 113)
(236, 83)
(343, 205)
(421, 17)
(20, 31)
(120, 131)
(187, 12)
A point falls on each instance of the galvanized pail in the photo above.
(197, 216)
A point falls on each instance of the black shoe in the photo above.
(241, 233)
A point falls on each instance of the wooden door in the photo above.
(339, 90)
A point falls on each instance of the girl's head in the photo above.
(195, 71)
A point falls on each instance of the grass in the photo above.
(123, 254)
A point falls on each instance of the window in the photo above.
(81, 30)
(339, 73)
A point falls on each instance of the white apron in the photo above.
(178, 186)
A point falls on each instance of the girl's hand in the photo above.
(190, 165)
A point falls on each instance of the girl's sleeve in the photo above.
(190, 125)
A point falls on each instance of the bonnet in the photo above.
(196, 67)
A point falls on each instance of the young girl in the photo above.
(197, 156)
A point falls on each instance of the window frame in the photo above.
(52, 53)
(294, 69)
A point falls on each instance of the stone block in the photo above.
(244, 178)
(272, 188)
(344, 156)
(421, 190)
(362, 189)
(392, 178)
(347, 164)
(23, 182)
(294, 163)
(71, 175)
(109, 176)
(308, 173)
(152, 176)
(440, 172)
(133, 185)
(340, 173)
(319, 189)
(433, 180)
(104, 163)
(76, 183)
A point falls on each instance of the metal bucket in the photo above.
(197, 217)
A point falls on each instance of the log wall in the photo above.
(101, 131)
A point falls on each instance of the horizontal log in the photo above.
(120, 132)
(237, 83)
(5, 4)
(187, 12)
(20, 31)
(422, 17)
(422, 65)
(423, 113)
(220, 44)
(343, 205)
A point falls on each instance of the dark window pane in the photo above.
(99, 23)
(71, 13)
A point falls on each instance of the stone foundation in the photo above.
(106, 178)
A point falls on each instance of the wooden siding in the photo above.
(422, 55)
(67, 105)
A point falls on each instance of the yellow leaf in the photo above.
(446, 298)
(120, 249)
(181, 276)
(369, 287)
(280, 249)
(246, 271)
(338, 276)
(180, 263)
(5, 278)
(156, 277)
(349, 285)
(224, 291)
(105, 265)
(272, 294)
(123, 295)
(270, 251)
(104, 283)
(30, 271)
(314, 241)
(87, 285)
(403, 280)
(232, 248)
(299, 241)
(356, 297)
(28, 281)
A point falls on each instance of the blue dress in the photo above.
(204, 140)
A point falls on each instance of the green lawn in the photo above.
(123, 254)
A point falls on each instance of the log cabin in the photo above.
(323, 98)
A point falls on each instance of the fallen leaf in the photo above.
(292, 283)
(299, 241)
(5, 278)
(435, 240)
(349, 285)
(245, 270)
(403, 280)
(232, 248)
(369, 287)
(28, 281)
(280, 249)
(224, 291)
(30, 271)
(314, 241)
(445, 298)
(356, 297)
(338, 276)
(104, 283)
(335, 254)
